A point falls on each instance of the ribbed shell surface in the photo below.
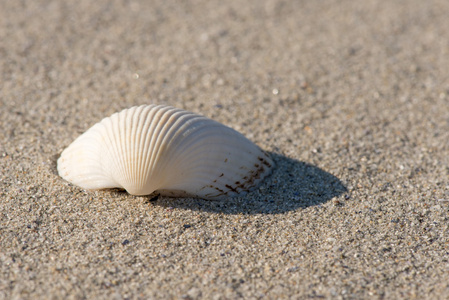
(160, 148)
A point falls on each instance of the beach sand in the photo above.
(351, 98)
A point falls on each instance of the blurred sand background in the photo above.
(350, 97)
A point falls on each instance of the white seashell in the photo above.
(159, 148)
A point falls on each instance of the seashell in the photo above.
(156, 148)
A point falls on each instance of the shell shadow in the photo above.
(292, 185)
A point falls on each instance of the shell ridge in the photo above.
(215, 141)
(137, 133)
(117, 148)
(181, 142)
(107, 158)
(165, 148)
(172, 144)
(164, 124)
(130, 143)
(175, 147)
(189, 141)
(144, 151)
(184, 143)
(149, 156)
(144, 134)
(113, 161)
(130, 133)
(147, 134)
(120, 135)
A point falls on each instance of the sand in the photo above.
(351, 98)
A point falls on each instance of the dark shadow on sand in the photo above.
(292, 185)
